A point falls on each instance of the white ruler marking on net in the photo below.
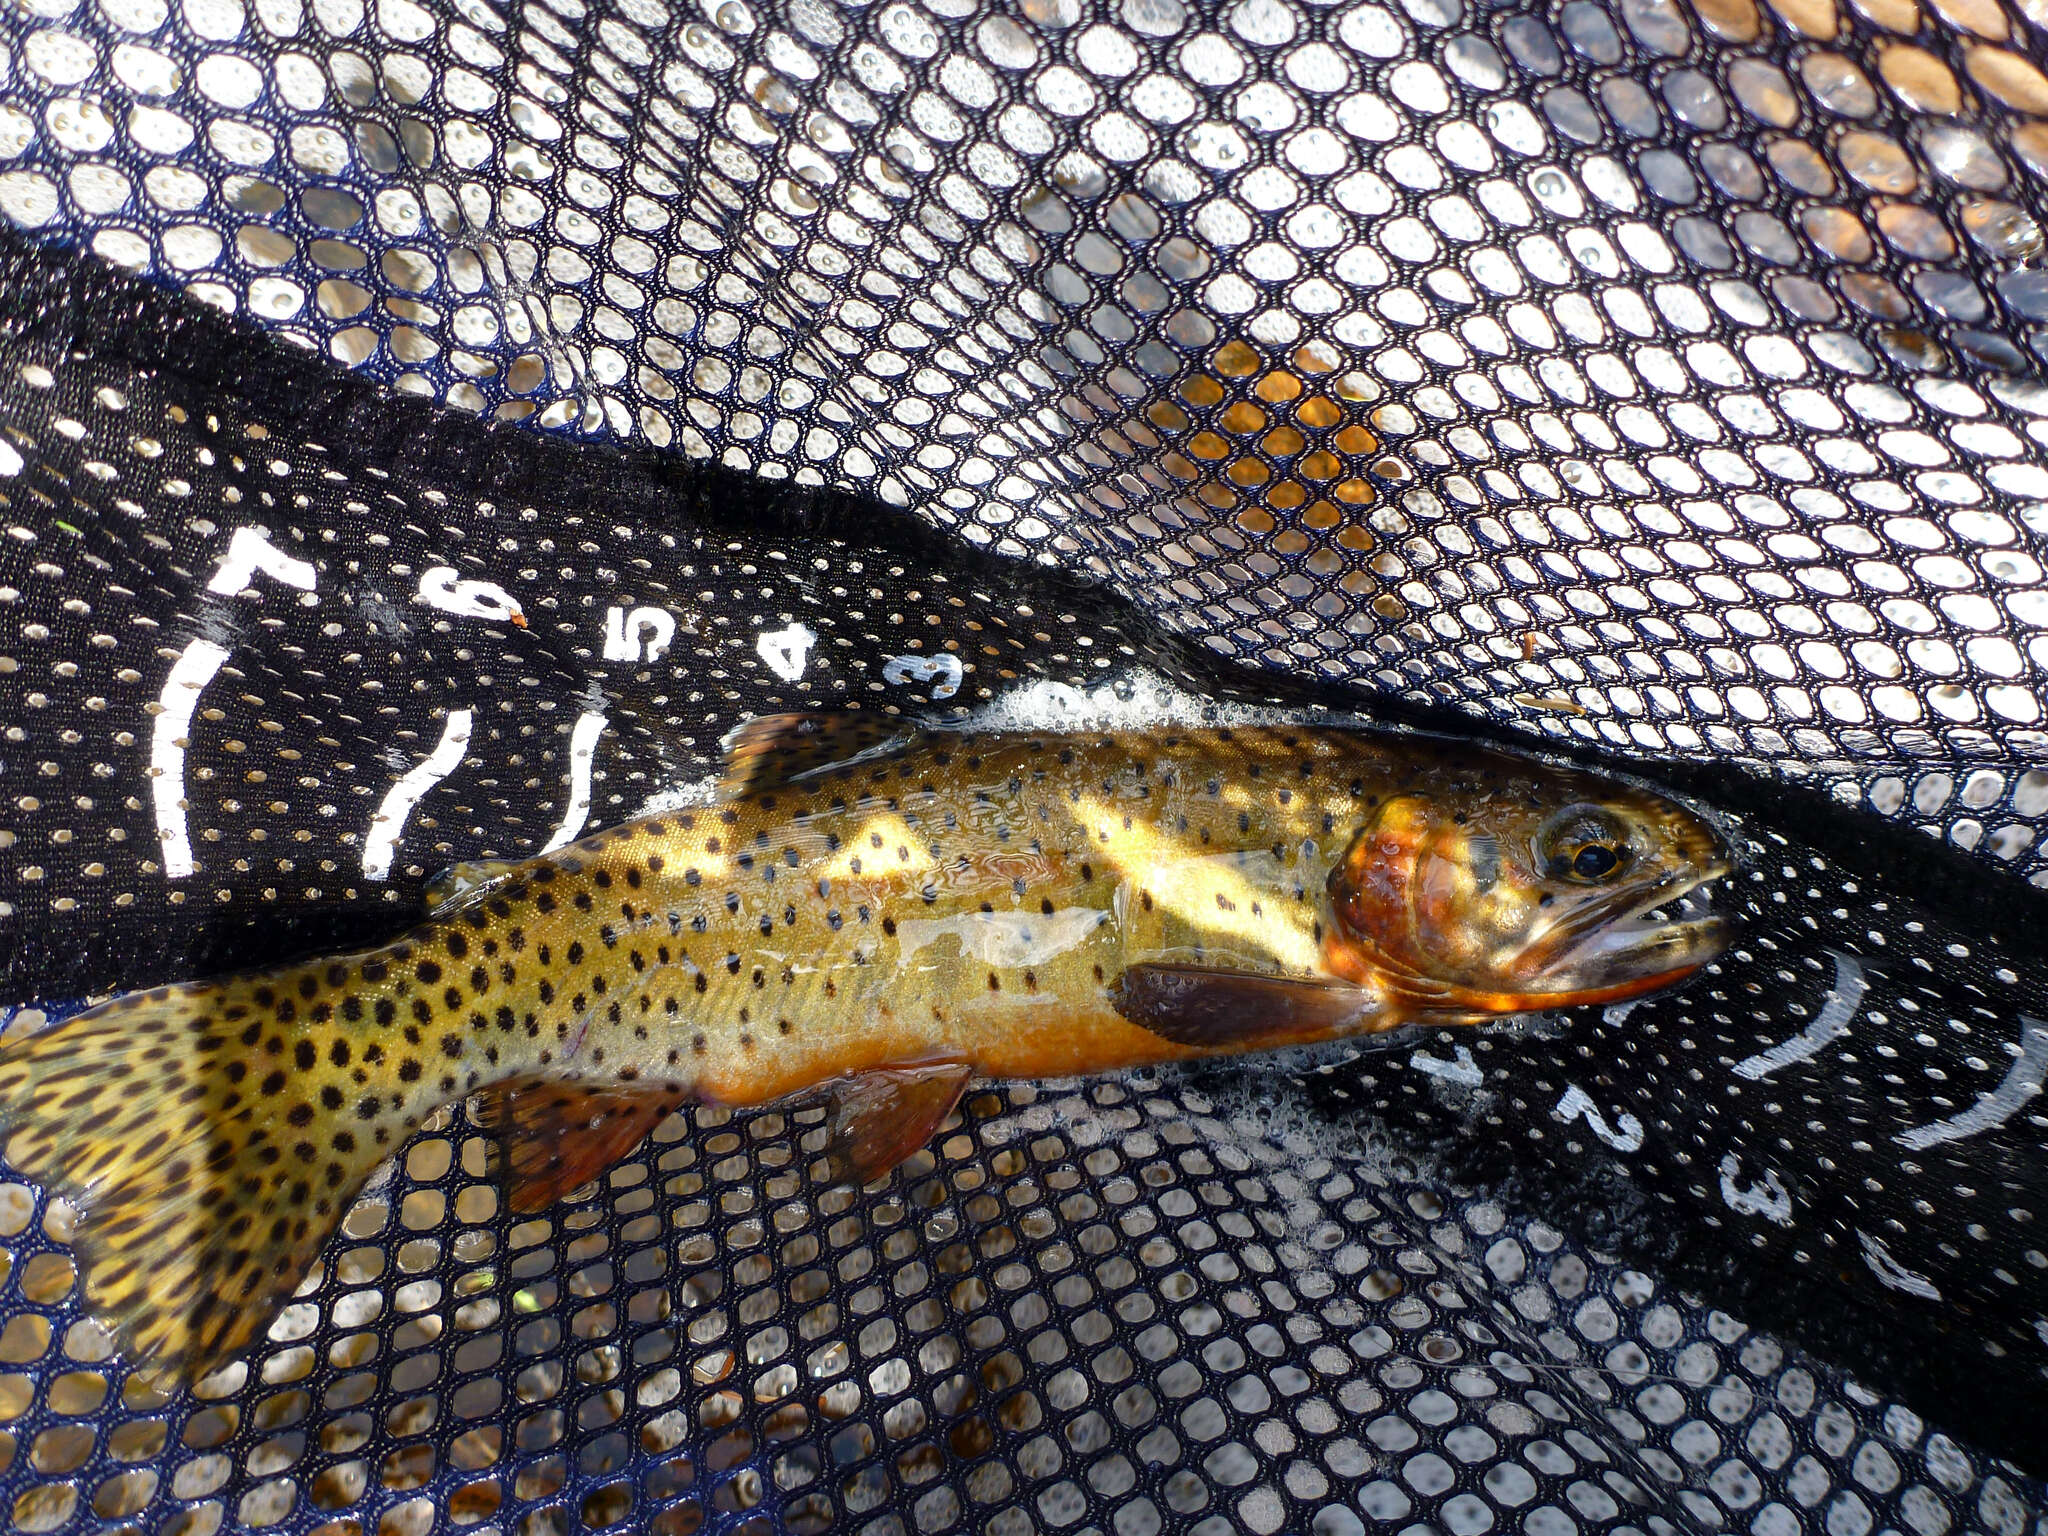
(1831, 1023)
(250, 551)
(582, 749)
(388, 825)
(195, 667)
(1464, 1071)
(1891, 1272)
(2021, 1083)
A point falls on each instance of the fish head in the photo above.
(1524, 889)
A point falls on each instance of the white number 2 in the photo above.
(1626, 1135)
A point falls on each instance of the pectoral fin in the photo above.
(558, 1136)
(879, 1118)
(1242, 1010)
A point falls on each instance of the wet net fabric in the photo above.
(1649, 379)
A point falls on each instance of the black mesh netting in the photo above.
(1654, 382)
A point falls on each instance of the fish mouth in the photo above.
(1635, 940)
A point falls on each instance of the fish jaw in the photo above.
(1610, 955)
(1629, 948)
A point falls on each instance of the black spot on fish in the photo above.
(305, 1054)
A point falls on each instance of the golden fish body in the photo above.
(884, 917)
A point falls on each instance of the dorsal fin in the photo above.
(775, 749)
(557, 1136)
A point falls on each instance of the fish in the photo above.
(864, 916)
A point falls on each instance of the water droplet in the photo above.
(1877, 162)
(1838, 85)
(1962, 156)
(2005, 232)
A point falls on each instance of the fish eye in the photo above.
(1595, 861)
(1584, 844)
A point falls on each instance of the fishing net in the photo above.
(424, 432)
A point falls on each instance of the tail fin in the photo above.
(205, 1173)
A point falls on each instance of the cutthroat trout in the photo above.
(873, 917)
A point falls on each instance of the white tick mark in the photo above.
(1463, 1071)
(388, 825)
(191, 672)
(1837, 1010)
(582, 749)
(250, 551)
(1892, 1273)
(2021, 1083)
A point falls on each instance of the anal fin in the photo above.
(1242, 1010)
(879, 1118)
(557, 1136)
